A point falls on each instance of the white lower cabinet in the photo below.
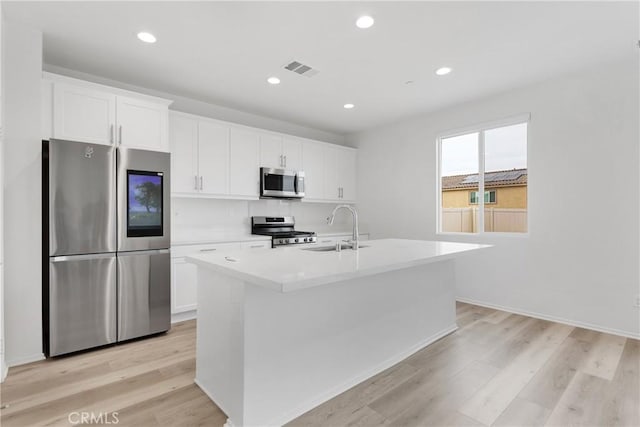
(184, 277)
(184, 286)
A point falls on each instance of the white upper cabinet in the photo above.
(142, 124)
(292, 152)
(280, 152)
(199, 155)
(340, 174)
(83, 114)
(313, 154)
(215, 159)
(183, 132)
(98, 114)
(244, 162)
(347, 174)
(271, 151)
(213, 149)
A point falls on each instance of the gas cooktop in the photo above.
(281, 229)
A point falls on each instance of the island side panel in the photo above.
(219, 341)
(303, 348)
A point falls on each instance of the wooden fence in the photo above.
(464, 220)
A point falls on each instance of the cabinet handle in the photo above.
(120, 135)
(201, 186)
(208, 250)
(111, 133)
(281, 163)
(342, 192)
(325, 241)
(196, 185)
(257, 246)
(285, 161)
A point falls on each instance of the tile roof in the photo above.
(494, 179)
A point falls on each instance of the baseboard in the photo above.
(24, 360)
(556, 319)
(181, 317)
(307, 406)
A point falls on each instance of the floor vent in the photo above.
(300, 68)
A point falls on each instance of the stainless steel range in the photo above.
(281, 229)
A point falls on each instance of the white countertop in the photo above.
(289, 269)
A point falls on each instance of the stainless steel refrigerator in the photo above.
(106, 239)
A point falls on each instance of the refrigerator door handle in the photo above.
(145, 252)
(66, 258)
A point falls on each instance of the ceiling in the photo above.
(223, 52)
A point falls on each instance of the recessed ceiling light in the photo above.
(364, 22)
(442, 71)
(273, 80)
(147, 37)
(349, 106)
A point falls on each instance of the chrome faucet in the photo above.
(355, 238)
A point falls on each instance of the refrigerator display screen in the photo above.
(144, 203)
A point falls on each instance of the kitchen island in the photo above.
(282, 330)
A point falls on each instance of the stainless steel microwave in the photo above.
(281, 183)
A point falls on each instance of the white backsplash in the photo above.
(235, 215)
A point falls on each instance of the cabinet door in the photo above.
(213, 149)
(313, 167)
(184, 154)
(81, 114)
(142, 124)
(244, 173)
(184, 286)
(292, 152)
(271, 151)
(332, 165)
(347, 175)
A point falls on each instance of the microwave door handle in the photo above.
(295, 184)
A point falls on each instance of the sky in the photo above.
(505, 148)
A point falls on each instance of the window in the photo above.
(489, 197)
(493, 156)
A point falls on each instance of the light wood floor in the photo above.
(497, 369)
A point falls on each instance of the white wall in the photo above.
(580, 262)
(22, 68)
(3, 365)
(192, 106)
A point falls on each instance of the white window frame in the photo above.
(479, 128)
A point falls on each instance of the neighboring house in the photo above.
(503, 189)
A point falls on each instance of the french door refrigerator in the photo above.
(106, 239)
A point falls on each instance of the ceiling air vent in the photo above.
(300, 68)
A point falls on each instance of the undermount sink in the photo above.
(333, 248)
